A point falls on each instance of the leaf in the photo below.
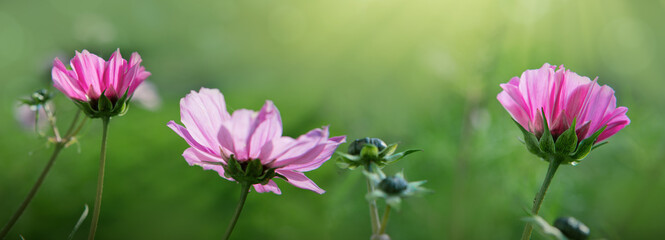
(398, 156)
(388, 150)
(79, 222)
(348, 156)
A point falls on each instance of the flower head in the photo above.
(247, 143)
(101, 88)
(393, 188)
(369, 153)
(557, 100)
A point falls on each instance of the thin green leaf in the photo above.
(84, 215)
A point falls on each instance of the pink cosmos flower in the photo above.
(215, 135)
(563, 96)
(91, 75)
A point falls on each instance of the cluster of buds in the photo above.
(374, 154)
(566, 147)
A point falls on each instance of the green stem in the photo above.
(241, 203)
(33, 191)
(59, 145)
(554, 165)
(71, 126)
(384, 222)
(373, 212)
(100, 180)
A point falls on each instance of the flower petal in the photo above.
(307, 146)
(299, 179)
(195, 157)
(242, 125)
(65, 81)
(203, 113)
(323, 156)
(89, 69)
(271, 186)
(269, 127)
(113, 73)
(185, 134)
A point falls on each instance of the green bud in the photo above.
(572, 228)
(393, 185)
(37, 99)
(357, 145)
(369, 152)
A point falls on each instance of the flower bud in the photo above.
(38, 99)
(393, 185)
(572, 228)
(357, 145)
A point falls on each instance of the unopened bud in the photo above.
(572, 228)
(357, 145)
(393, 185)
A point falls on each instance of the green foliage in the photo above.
(424, 72)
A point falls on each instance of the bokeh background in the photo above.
(422, 73)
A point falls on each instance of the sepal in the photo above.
(250, 172)
(104, 106)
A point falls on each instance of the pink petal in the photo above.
(271, 186)
(185, 134)
(195, 157)
(618, 120)
(600, 100)
(65, 82)
(203, 113)
(243, 123)
(534, 84)
(269, 127)
(275, 148)
(512, 100)
(323, 156)
(113, 73)
(300, 180)
(89, 69)
(306, 146)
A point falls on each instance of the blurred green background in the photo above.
(423, 73)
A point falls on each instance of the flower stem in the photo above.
(554, 165)
(33, 191)
(59, 145)
(100, 180)
(373, 212)
(384, 222)
(243, 196)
